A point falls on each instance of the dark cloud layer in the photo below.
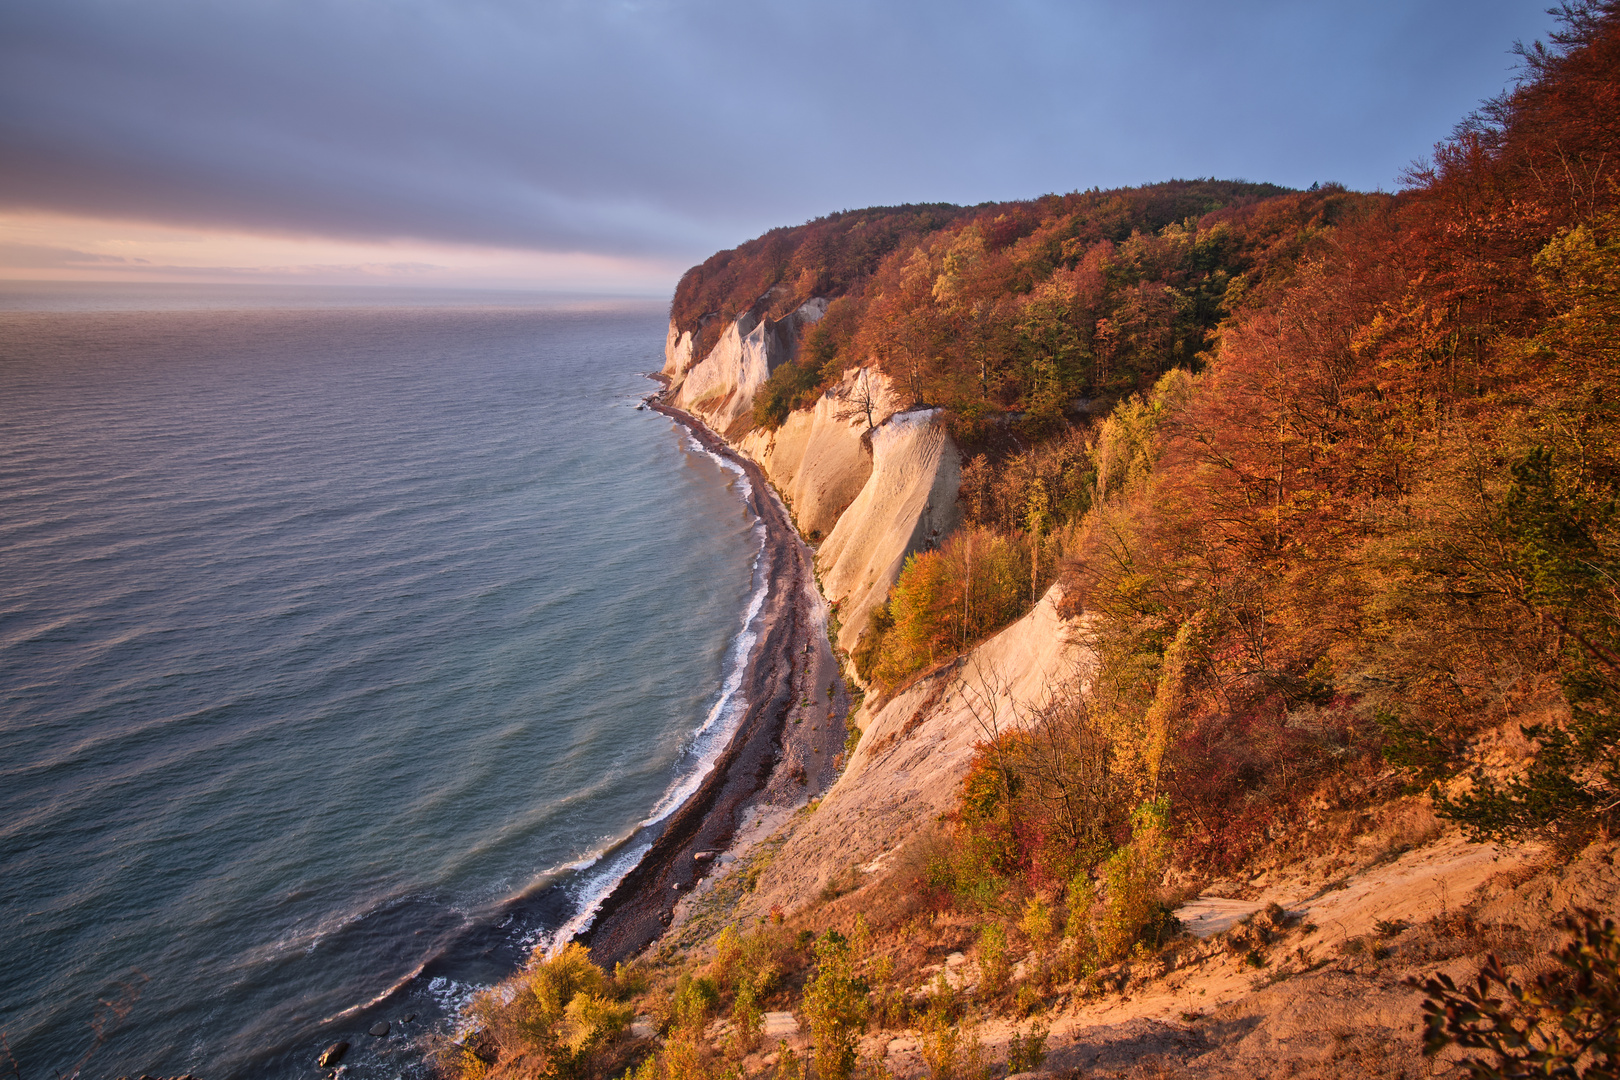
(668, 128)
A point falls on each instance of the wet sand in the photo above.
(788, 747)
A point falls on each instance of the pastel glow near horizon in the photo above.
(50, 247)
(610, 145)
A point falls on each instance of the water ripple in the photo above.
(335, 646)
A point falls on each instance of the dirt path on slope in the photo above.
(787, 749)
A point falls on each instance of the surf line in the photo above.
(637, 909)
(623, 895)
(709, 740)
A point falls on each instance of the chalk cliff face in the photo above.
(875, 495)
(907, 504)
(721, 386)
(677, 352)
(817, 459)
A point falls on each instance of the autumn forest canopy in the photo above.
(1333, 474)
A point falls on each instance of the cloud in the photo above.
(668, 128)
(57, 247)
(47, 257)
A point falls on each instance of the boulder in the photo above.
(332, 1054)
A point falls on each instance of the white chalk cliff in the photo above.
(907, 504)
(818, 459)
(721, 386)
(875, 495)
(677, 352)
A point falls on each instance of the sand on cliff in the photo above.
(913, 753)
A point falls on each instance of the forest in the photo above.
(1295, 452)
(1332, 480)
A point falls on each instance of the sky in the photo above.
(605, 146)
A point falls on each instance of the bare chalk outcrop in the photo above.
(678, 346)
(876, 480)
(819, 459)
(907, 504)
(719, 388)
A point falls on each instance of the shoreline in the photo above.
(769, 764)
(773, 757)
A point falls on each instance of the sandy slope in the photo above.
(908, 766)
(1316, 991)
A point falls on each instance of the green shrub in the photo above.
(792, 385)
(728, 955)
(938, 1042)
(789, 1067)
(994, 964)
(1025, 1052)
(696, 999)
(1036, 923)
(1030, 998)
(1566, 1024)
(557, 1011)
(1131, 908)
(835, 1003)
(975, 1063)
(1080, 954)
(747, 1021)
(888, 1000)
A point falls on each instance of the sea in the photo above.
(346, 636)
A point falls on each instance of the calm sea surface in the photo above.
(341, 642)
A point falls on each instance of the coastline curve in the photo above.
(788, 664)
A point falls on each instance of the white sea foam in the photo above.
(708, 741)
(450, 995)
(590, 892)
(379, 998)
(726, 714)
(724, 462)
(572, 866)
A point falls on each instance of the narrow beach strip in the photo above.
(790, 644)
